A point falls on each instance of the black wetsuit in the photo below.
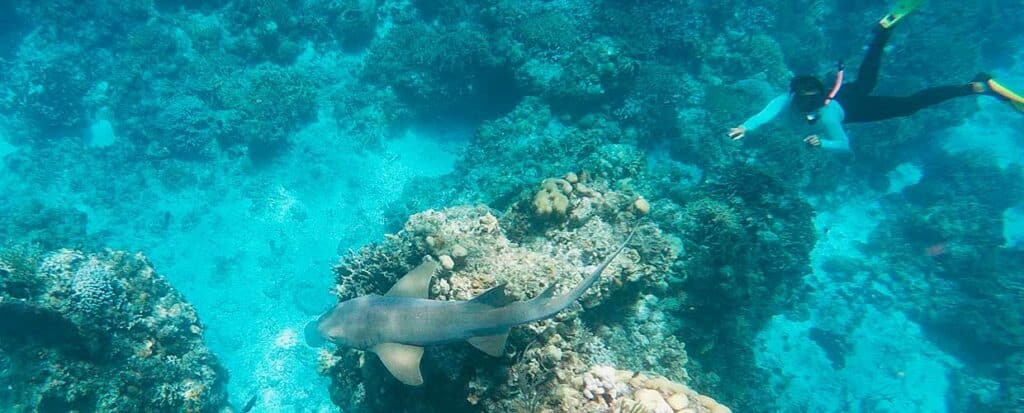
(861, 106)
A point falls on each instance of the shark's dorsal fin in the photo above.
(493, 345)
(415, 283)
(494, 297)
(402, 360)
(547, 293)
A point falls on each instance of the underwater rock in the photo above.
(102, 332)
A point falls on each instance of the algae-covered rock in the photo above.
(100, 332)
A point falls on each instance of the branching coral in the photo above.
(18, 271)
(594, 73)
(52, 102)
(185, 127)
(437, 69)
(270, 103)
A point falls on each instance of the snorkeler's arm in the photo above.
(837, 140)
(767, 114)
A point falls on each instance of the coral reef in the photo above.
(632, 97)
(746, 238)
(100, 332)
(477, 252)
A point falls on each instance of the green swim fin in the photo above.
(903, 8)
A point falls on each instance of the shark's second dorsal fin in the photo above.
(493, 345)
(415, 283)
(402, 361)
(494, 297)
(547, 293)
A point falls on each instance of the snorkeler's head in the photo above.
(808, 93)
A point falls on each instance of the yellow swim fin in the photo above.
(989, 86)
(903, 8)
(1001, 90)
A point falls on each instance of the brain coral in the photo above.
(93, 294)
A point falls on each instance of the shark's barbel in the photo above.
(397, 326)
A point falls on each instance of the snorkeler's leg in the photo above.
(903, 8)
(985, 84)
(874, 108)
(867, 74)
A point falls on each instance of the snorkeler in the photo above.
(811, 105)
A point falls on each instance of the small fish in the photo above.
(935, 250)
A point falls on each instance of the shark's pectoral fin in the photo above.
(493, 345)
(403, 361)
(415, 283)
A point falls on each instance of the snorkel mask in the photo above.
(808, 104)
(808, 94)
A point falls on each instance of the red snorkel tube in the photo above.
(837, 86)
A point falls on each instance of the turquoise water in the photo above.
(246, 149)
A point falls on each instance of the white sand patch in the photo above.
(287, 339)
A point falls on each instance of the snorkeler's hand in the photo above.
(813, 141)
(737, 133)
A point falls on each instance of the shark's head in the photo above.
(346, 324)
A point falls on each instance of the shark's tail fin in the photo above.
(549, 303)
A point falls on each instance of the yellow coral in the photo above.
(552, 198)
(641, 206)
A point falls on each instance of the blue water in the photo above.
(154, 127)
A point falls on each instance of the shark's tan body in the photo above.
(398, 325)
